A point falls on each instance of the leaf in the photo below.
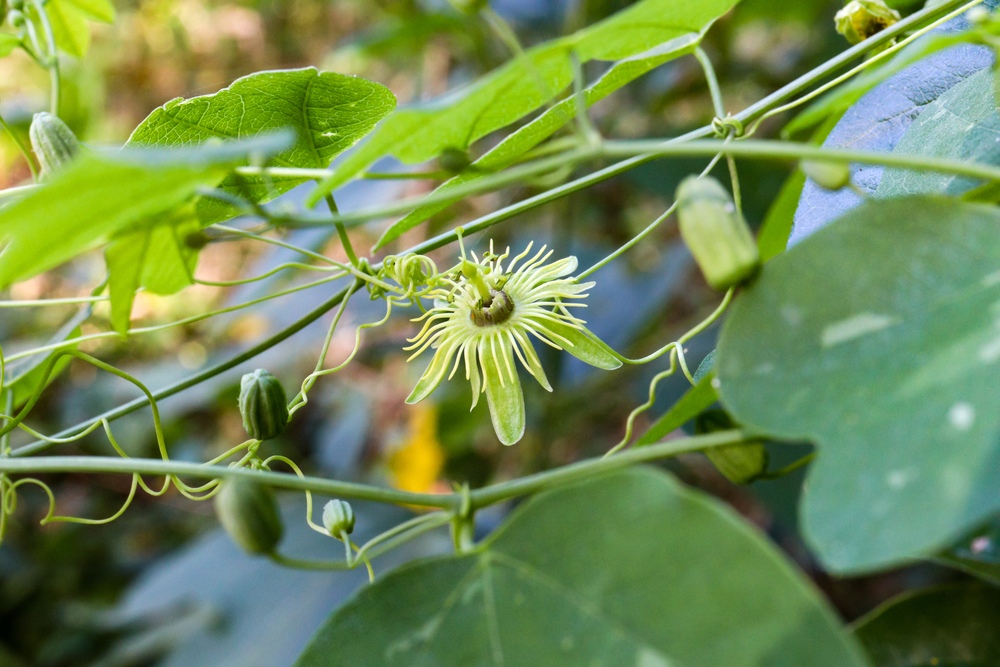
(99, 195)
(97, 10)
(876, 338)
(548, 123)
(69, 20)
(977, 554)
(953, 626)
(694, 401)
(625, 569)
(777, 226)
(8, 43)
(840, 99)
(329, 112)
(526, 83)
(155, 257)
(24, 376)
(878, 121)
(963, 125)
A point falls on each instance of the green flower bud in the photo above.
(263, 405)
(828, 175)
(249, 513)
(338, 517)
(860, 19)
(740, 464)
(54, 143)
(715, 233)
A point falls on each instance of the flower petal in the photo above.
(472, 372)
(529, 358)
(585, 346)
(503, 395)
(435, 372)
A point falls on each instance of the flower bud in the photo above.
(715, 233)
(860, 19)
(263, 405)
(249, 513)
(338, 517)
(828, 175)
(54, 143)
(740, 464)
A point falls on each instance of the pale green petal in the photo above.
(472, 373)
(432, 377)
(503, 394)
(585, 346)
(530, 359)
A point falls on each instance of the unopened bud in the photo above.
(249, 513)
(860, 19)
(54, 143)
(338, 517)
(828, 175)
(715, 233)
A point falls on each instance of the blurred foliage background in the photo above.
(162, 585)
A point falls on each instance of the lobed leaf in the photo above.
(625, 569)
(876, 338)
(328, 113)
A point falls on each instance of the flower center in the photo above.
(495, 311)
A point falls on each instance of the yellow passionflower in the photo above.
(485, 313)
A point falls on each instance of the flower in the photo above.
(483, 315)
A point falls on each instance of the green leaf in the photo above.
(155, 257)
(69, 20)
(777, 226)
(503, 393)
(876, 338)
(694, 401)
(953, 626)
(548, 123)
(329, 112)
(8, 43)
(99, 195)
(527, 82)
(96, 10)
(585, 346)
(961, 124)
(25, 375)
(840, 99)
(625, 569)
(977, 554)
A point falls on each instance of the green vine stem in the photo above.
(453, 502)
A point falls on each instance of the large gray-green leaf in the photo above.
(527, 82)
(626, 569)
(963, 124)
(878, 339)
(954, 626)
(329, 112)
